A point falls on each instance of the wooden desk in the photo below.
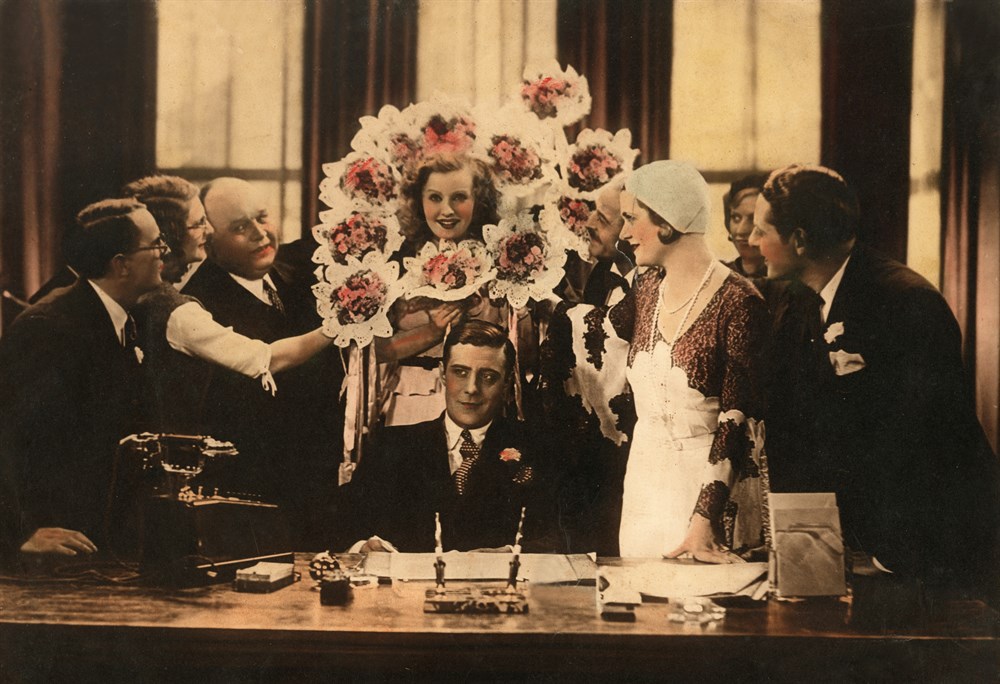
(62, 631)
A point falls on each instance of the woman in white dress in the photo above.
(695, 478)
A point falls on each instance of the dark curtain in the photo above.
(359, 56)
(867, 68)
(625, 49)
(77, 121)
(970, 190)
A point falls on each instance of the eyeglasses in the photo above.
(159, 244)
(202, 224)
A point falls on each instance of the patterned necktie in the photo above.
(273, 297)
(470, 452)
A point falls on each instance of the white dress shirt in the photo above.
(255, 287)
(119, 317)
(829, 291)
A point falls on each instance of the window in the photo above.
(745, 91)
(230, 96)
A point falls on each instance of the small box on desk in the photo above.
(807, 555)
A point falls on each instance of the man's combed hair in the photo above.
(104, 229)
(481, 334)
(815, 199)
(168, 199)
(484, 193)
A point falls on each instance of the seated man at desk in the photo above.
(69, 373)
(471, 465)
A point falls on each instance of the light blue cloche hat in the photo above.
(674, 190)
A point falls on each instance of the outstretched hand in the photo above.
(700, 544)
(58, 541)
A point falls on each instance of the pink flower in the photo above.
(512, 161)
(574, 213)
(520, 257)
(356, 236)
(544, 94)
(369, 179)
(592, 167)
(359, 298)
(510, 454)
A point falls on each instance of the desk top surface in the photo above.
(216, 619)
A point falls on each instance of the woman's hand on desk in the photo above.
(59, 541)
(700, 544)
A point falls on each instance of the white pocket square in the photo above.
(833, 332)
(845, 363)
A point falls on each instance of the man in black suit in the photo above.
(69, 383)
(866, 394)
(471, 465)
(289, 443)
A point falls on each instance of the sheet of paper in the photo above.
(538, 568)
(679, 579)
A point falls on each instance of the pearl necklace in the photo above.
(690, 305)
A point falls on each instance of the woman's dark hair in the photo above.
(481, 334)
(665, 232)
(484, 194)
(168, 199)
(815, 199)
(754, 182)
(104, 230)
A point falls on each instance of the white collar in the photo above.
(830, 290)
(119, 316)
(255, 287)
(454, 432)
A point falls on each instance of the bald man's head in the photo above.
(245, 241)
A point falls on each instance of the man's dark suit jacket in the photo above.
(898, 439)
(289, 444)
(68, 392)
(404, 479)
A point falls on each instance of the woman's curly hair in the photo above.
(484, 193)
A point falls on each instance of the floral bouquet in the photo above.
(356, 235)
(353, 298)
(448, 272)
(596, 158)
(522, 153)
(360, 177)
(527, 265)
(551, 93)
(565, 221)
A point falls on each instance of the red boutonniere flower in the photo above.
(510, 454)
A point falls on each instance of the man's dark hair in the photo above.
(481, 334)
(168, 199)
(754, 182)
(105, 229)
(815, 199)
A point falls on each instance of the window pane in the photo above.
(745, 90)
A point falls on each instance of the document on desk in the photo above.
(681, 579)
(538, 568)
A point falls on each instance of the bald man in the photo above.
(288, 442)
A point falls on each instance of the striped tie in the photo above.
(470, 452)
